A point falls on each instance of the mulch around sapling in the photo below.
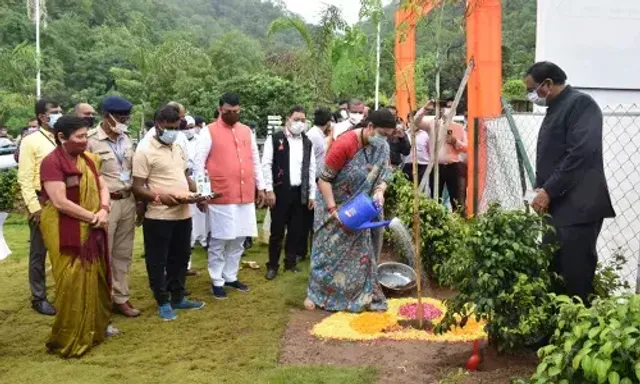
(398, 362)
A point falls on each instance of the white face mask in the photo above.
(536, 99)
(169, 136)
(297, 127)
(344, 114)
(356, 118)
(54, 118)
(190, 133)
(119, 127)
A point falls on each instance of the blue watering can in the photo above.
(357, 213)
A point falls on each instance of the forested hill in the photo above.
(154, 51)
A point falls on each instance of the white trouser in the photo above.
(224, 260)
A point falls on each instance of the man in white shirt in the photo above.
(228, 151)
(322, 123)
(289, 169)
(200, 231)
(421, 149)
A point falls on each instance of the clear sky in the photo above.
(310, 9)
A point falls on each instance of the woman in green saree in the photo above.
(74, 217)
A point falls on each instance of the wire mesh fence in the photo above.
(507, 176)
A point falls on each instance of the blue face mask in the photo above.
(53, 119)
(169, 136)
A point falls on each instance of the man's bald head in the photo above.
(181, 111)
(84, 110)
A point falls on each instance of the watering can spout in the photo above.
(374, 224)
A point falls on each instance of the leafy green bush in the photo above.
(441, 232)
(8, 189)
(502, 279)
(593, 345)
(607, 281)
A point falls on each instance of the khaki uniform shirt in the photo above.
(163, 167)
(116, 159)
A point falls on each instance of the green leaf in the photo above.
(554, 371)
(614, 378)
(637, 369)
(541, 368)
(568, 345)
(594, 332)
(626, 380)
(576, 361)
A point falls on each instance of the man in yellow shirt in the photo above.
(33, 149)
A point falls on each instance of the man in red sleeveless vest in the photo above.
(228, 153)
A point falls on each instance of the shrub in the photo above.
(441, 232)
(607, 281)
(503, 279)
(593, 345)
(8, 189)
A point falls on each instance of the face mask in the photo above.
(53, 119)
(230, 118)
(119, 128)
(169, 136)
(32, 130)
(344, 114)
(356, 118)
(297, 127)
(90, 121)
(189, 133)
(74, 149)
(536, 99)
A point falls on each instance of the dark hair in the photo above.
(547, 70)
(168, 114)
(199, 120)
(42, 105)
(343, 101)
(230, 98)
(67, 125)
(336, 116)
(321, 117)
(382, 118)
(149, 124)
(33, 119)
(297, 108)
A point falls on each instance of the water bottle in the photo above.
(206, 188)
(200, 184)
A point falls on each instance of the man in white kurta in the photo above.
(230, 223)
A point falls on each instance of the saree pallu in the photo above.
(83, 297)
(344, 264)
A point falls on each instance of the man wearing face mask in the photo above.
(33, 149)
(115, 150)
(86, 112)
(228, 151)
(353, 116)
(289, 168)
(160, 178)
(181, 138)
(570, 181)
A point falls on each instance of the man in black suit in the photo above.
(570, 180)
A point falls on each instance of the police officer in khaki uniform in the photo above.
(111, 142)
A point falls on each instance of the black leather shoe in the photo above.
(43, 307)
(271, 274)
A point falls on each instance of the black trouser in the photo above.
(289, 214)
(37, 259)
(577, 257)
(462, 185)
(408, 171)
(167, 247)
(449, 175)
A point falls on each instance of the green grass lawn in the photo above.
(232, 341)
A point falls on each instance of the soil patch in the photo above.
(398, 362)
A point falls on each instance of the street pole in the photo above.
(37, 12)
(378, 67)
